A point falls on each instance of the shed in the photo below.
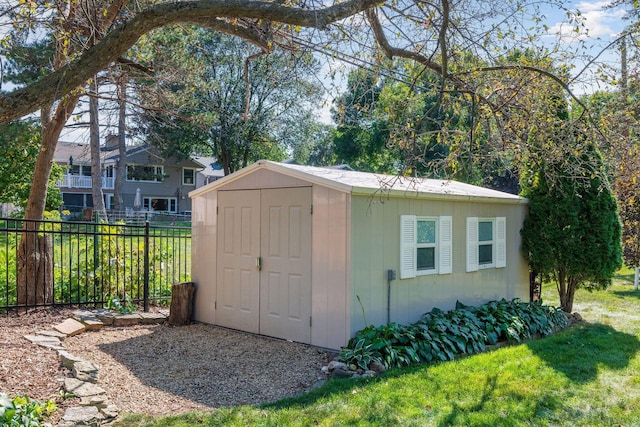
(314, 254)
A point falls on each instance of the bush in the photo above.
(23, 412)
(440, 336)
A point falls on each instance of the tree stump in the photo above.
(181, 308)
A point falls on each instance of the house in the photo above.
(163, 183)
(315, 254)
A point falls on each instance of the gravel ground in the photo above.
(158, 369)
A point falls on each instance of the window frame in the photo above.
(434, 245)
(147, 201)
(159, 173)
(498, 243)
(409, 246)
(492, 242)
(193, 177)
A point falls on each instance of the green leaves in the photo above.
(440, 336)
(21, 411)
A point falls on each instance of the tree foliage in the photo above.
(217, 94)
(572, 232)
(19, 146)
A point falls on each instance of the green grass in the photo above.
(587, 375)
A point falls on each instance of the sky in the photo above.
(601, 26)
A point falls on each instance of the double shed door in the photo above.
(264, 262)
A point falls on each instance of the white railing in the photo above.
(79, 181)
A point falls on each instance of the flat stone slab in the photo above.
(152, 318)
(36, 339)
(85, 371)
(126, 320)
(82, 415)
(68, 360)
(70, 327)
(52, 343)
(54, 334)
(88, 319)
(82, 388)
(99, 401)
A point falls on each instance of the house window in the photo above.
(425, 245)
(161, 204)
(80, 170)
(145, 173)
(486, 243)
(188, 176)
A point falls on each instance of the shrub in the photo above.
(440, 336)
(23, 412)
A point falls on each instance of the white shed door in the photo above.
(237, 277)
(271, 229)
(285, 280)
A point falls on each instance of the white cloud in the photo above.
(593, 21)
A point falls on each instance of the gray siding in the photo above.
(376, 248)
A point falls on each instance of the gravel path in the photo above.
(158, 369)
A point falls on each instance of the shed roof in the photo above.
(365, 183)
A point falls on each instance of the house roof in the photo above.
(210, 167)
(371, 184)
(81, 153)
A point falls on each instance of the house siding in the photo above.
(376, 248)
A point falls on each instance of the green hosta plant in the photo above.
(360, 354)
(440, 336)
(21, 411)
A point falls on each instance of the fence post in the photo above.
(146, 266)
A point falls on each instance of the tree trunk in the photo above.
(121, 165)
(96, 167)
(181, 309)
(34, 275)
(562, 291)
(35, 268)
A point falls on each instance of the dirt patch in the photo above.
(158, 369)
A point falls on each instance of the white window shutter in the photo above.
(407, 246)
(445, 245)
(472, 243)
(501, 242)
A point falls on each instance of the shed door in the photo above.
(274, 226)
(237, 277)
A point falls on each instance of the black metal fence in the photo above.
(45, 263)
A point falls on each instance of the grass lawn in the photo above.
(588, 375)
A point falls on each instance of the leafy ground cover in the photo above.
(586, 375)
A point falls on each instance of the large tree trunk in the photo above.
(96, 167)
(35, 286)
(35, 274)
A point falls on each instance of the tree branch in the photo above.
(75, 74)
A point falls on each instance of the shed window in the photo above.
(486, 243)
(425, 245)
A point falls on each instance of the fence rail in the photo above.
(45, 263)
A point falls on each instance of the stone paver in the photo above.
(126, 320)
(82, 388)
(70, 327)
(82, 415)
(54, 334)
(67, 359)
(95, 409)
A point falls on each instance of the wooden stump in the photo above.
(181, 308)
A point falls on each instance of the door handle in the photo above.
(259, 263)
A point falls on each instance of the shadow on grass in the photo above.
(631, 294)
(581, 351)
